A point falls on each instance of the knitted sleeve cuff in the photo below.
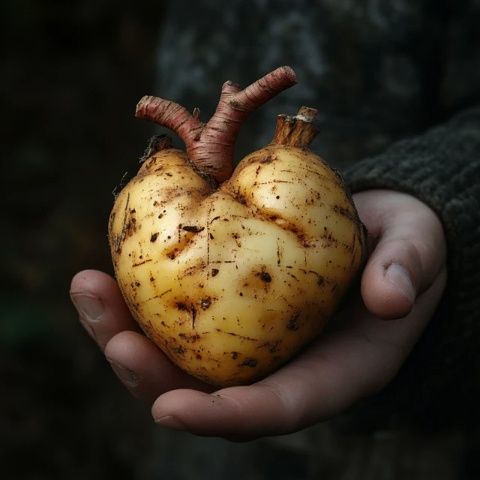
(442, 168)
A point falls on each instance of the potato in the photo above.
(231, 280)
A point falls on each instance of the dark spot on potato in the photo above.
(206, 302)
(267, 159)
(180, 350)
(211, 236)
(130, 227)
(161, 215)
(265, 277)
(194, 316)
(193, 228)
(143, 262)
(272, 347)
(182, 244)
(293, 322)
(152, 279)
(236, 237)
(234, 355)
(182, 306)
(198, 356)
(137, 283)
(189, 338)
(240, 198)
(214, 272)
(249, 362)
(154, 236)
(192, 270)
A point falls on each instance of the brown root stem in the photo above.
(296, 131)
(210, 146)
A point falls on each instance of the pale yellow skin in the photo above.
(230, 283)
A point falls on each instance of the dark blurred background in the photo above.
(71, 73)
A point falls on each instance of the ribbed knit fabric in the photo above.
(441, 168)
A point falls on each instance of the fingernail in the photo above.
(127, 376)
(399, 276)
(89, 307)
(169, 421)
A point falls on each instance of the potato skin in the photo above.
(230, 283)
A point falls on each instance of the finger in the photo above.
(406, 260)
(328, 378)
(100, 305)
(144, 369)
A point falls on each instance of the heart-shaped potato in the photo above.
(231, 280)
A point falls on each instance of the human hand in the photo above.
(404, 279)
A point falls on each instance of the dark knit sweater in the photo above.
(396, 83)
(441, 168)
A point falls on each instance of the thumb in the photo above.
(405, 261)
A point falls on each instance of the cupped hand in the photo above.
(403, 282)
